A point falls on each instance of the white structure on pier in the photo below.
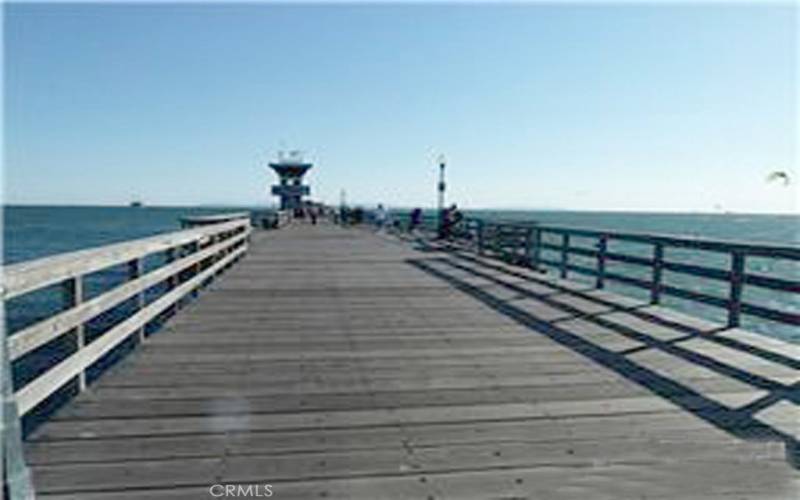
(290, 169)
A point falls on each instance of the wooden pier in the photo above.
(336, 362)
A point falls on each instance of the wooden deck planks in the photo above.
(336, 363)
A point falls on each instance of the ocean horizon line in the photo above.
(408, 207)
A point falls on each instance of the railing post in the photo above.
(198, 268)
(658, 266)
(528, 246)
(537, 247)
(135, 272)
(170, 255)
(737, 282)
(73, 296)
(602, 247)
(510, 244)
(564, 254)
(480, 236)
(16, 476)
(248, 238)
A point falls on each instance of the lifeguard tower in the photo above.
(290, 169)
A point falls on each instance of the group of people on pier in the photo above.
(311, 212)
(449, 219)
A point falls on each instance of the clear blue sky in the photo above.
(650, 107)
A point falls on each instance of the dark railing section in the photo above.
(661, 265)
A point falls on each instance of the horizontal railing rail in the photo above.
(526, 243)
(189, 221)
(190, 257)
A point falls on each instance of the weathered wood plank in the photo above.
(655, 426)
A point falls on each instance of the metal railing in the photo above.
(594, 253)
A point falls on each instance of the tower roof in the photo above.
(290, 164)
(290, 167)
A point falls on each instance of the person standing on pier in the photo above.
(415, 220)
(451, 219)
(312, 213)
(380, 217)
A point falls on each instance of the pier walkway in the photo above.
(340, 363)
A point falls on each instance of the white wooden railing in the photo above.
(192, 257)
(190, 221)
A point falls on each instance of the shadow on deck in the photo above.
(461, 271)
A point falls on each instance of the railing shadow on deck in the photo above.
(739, 422)
(642, 311)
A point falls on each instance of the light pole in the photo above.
(440, 188)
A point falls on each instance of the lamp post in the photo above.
(440, 188)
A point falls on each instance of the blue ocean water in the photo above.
(760, 228)
(36, 231)
(31, 232)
